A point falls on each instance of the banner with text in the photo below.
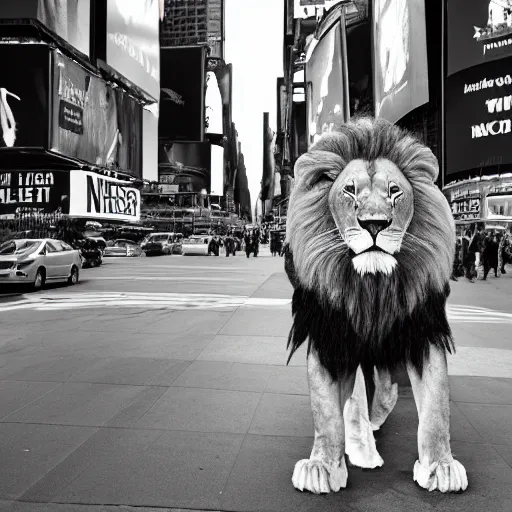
(40, 191)
(100, 197)
(478, 31)
(479, 117)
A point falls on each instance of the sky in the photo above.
(254, 45)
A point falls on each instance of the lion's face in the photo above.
(366, 220)
(372, 206)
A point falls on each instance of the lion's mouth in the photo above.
(373, 248)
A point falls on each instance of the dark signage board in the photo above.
(324, 86)
(33, 191)
(69, 19)
(92, 122)
(24, 95)
(182, 98)
(133, 43)
(479, 117)
(478, 31)
(400, 57)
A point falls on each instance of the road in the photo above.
(163, 382)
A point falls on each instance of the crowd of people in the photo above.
(479, 251)
(247, 240)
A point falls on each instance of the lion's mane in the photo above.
(374, 319)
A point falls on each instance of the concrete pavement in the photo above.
(161, 382)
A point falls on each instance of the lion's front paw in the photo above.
(314, 476)
(445, 477)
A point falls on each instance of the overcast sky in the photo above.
(254, 45)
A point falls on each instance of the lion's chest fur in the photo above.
(372, 322)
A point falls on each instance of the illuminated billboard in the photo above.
(400, 57)
(133, 44)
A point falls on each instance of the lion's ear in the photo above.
(416, 160)
(312, 164)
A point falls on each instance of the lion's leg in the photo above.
(384, 398)
(436, 467)
(359, 441)
(325, 470)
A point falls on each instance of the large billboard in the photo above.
(479, 117)
(478, 31)
(182, 99)
(33, 191)
(92, 122)
(133, 42)
(400, 57)
(69, 19)
(24, 96)
(95, 196)
(324, 81)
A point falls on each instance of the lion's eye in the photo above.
(350, 189)
(326, 178)
(394, 189)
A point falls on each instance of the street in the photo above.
(162, 382)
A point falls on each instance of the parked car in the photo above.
(196, 246)
(38, 261)
(122, 247)
(159, 243)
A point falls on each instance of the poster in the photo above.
(24, 96)
(100, 197)
(478, 31)
(217, 171)
(324, 82)
(150, 143)
(37, 191)
(133, 43)
(400, 53)
(69, 19)
(92, 122)
(182, 99)
(479, 117)
(214, 109)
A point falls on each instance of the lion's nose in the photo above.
(374, 227)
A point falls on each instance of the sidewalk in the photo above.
(222, 427)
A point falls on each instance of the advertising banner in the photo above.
(24, 96)
(69, 19)
(479, 117)
(150, 144)
(400, 57)
(217, 171)
(478, 31)
(38, 191)
(214, 110)
(324, 79)
(100, 197)
(93, 123)
(133, 43)
(182, 99)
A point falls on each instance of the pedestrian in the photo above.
(490, 256)
(469, 256)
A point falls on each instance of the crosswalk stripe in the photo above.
(49, 301)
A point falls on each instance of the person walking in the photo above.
(490, 256)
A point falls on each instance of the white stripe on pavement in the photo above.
(87, 300)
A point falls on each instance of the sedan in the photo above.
(196, 246)
(38, 261)
(122, 248)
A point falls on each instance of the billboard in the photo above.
(477, 31)
(34, 191)
(69, 19)
(24, 96)
(133, 44)
(214, 108)
(308, 8)
(150, 144)
(92, 122)
(182, 98)
(479, 117)
(400, 57)
(217, 171)
(324, 85)
(96, 196)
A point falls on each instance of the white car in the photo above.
(38, 261)
(196, 246)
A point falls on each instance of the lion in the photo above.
(369, 251)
